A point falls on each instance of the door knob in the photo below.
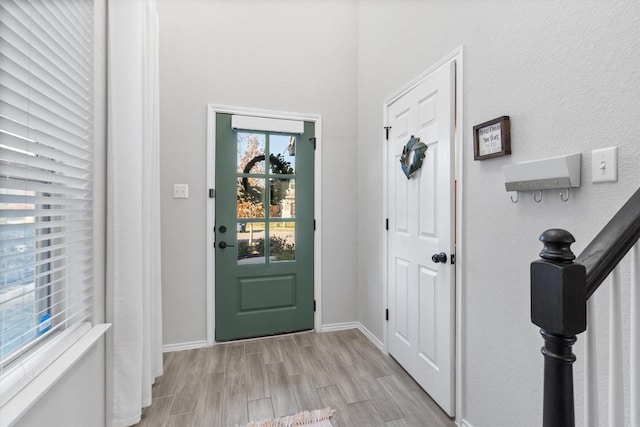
(223, 245)
(441, 257)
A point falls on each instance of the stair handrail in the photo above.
(561, 284)
(607, 249)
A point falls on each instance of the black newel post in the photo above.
(559, 308)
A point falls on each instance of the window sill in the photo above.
(17, 404)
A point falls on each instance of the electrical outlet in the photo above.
(180, 191)
(604, 165)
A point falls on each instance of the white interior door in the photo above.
(421, 292)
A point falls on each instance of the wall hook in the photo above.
(517, 197)
(539, 199)
(562, 196)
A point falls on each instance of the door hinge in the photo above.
(314, 225)
(314, 306)
(386, 315)
(313, 139)
(386, 224)
(386, 128)
(212, 193)
(453, 258)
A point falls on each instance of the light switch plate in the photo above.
(604, 165)
(180, 191)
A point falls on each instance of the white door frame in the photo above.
(212, 110)
(455, 57)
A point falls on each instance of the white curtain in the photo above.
(133, 200)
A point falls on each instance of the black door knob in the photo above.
(223, 245)
(441, 257)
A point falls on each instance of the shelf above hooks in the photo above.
(544, 174)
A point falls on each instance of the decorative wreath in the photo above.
(412, 155)
(278, 165)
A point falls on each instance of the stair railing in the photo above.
(561, 286)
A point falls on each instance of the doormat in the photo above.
(317, 418)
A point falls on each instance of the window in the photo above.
(46, 171)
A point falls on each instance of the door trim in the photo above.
(212, 110)
(455, 57)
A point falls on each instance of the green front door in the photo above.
(263, 231)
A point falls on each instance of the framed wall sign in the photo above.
(492, 139)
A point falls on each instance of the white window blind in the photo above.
(46, 170)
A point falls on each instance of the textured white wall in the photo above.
(568, 74)
(279, 55)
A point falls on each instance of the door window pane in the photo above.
(251, 149)
(282, 198)
(250, 198)
(251, 242)
(282, 154)
(282, 241)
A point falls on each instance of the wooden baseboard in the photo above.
(354, 325)
(339, 326)
(184, 346)
(371, 337)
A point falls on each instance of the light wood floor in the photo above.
(230, 384)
